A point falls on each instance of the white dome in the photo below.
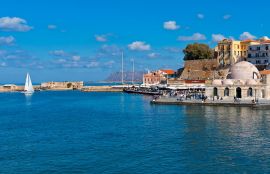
(227, 82)
(251, 82)
(217, 82)
(243, 70)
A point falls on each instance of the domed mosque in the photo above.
(243, 81)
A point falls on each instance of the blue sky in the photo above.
(83, 40)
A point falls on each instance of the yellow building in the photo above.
(229, 51)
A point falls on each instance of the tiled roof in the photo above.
(168, 71)
(265, 72)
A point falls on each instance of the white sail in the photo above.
(28, 87)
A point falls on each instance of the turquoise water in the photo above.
(74, 132)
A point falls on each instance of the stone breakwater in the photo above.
(14, 88)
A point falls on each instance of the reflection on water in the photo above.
(225, 136)
(28, 99)
(74, 132)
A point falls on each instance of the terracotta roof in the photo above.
(168, 71)
(266, 41)
(265, 72)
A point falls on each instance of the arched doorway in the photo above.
(215, 91)
(250, 92)
(238, 92)
(226, 92)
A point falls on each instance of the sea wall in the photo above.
(102, 89)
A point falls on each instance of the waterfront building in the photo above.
(243, 81)
(259, 54)
(158, 77)
(230, 51)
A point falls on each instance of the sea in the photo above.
(71, 132)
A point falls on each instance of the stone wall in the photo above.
(203, 70)
(62, 85)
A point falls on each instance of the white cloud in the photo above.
(58, 53)
(247, 35)
(152, 55)
(61, 60)
(171, 25)
(9, 40)
(3, 64)
(101, 38)
(200, 16)
(231, 37)
(109, 64)
(52, 27)
(217, 37)
(14, 24)
(92, 64)
(76, 58)
(194, 37)
(226, 17)
(139, 46)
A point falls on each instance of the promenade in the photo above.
(240, 103)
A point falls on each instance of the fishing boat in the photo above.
(28, 87)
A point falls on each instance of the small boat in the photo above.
(28, 87)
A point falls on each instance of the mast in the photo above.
(122, 67)
(133, 71)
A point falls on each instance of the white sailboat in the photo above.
(28, 87)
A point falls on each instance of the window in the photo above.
(266, 47)
(258, 62)
(250, 48)
(265, 61)
(258, 48)
(226, 92)
(249, 92)
(249, 55)
(215, 91)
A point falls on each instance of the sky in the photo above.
(64, 40)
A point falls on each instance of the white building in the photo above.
(259, 54)
(244, 82)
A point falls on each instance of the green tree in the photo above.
(198, 51)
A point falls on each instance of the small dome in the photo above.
(243, 70)
(227, 82)
(217, 82)
(251, 82)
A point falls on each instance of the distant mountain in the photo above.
(117, 77)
